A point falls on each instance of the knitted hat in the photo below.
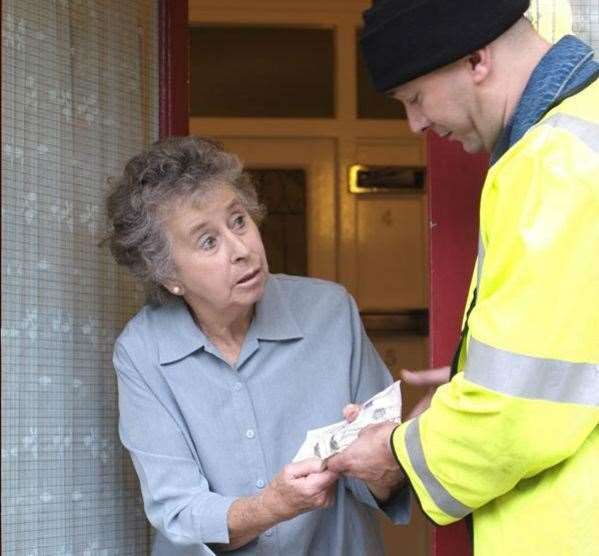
(404, 39)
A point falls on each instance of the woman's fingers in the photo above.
(351, 412)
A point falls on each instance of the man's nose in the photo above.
(417, 121)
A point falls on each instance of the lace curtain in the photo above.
(556, 18)
(79, 96)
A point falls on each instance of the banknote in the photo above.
(326, 441)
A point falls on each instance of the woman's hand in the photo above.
(298, 488)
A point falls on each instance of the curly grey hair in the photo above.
(173, 170)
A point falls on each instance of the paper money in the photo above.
(324, 442)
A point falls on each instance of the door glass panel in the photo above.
(257, 72)
(283, 192)
(371, 104)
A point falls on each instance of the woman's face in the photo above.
(220, 264)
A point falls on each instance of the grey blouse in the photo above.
(201, 433)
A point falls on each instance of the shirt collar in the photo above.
(179, 336)
(556, 73)
(273, 319)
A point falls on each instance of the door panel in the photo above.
(391, 239)
(316, 157)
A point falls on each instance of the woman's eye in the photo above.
(239, 221)
(207, 243)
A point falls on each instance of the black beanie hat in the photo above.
(404, 39)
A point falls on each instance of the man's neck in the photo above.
(518, 74)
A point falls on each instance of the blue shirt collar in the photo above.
(179, 335)
(565, 65)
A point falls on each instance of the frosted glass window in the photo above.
(79, 97)
(556, 18)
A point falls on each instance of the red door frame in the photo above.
(454, 182)
(173, 68)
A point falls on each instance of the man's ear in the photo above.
(479, 64)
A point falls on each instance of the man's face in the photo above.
(444, 101)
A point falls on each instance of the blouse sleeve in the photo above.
(176, 494)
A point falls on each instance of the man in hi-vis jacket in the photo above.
(513, 439)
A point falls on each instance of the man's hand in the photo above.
(300, 487)
(430, 379)
(369, 458)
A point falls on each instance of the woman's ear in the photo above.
(173, 287)
(479, 64)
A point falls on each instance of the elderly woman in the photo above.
(224, 370)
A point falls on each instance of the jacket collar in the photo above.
(566, 64)
(179, 336)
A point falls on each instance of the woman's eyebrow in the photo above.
(235, 202)
(197, 228)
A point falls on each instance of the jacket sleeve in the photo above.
(370, 375)
(177, 498)
(528, 396)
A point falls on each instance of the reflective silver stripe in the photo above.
(444, 501)
(480, 260)
(532, 377)
(587, 132)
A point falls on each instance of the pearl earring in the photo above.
(176, 290)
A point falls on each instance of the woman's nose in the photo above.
(238, 247)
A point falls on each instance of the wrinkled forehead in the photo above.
(214, 191)
(197, 196)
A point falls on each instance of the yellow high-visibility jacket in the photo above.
(513, 438)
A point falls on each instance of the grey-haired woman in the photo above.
(226, 367)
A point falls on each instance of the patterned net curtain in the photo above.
(556, 18)
(79, 97)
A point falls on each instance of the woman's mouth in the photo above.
(248, 278)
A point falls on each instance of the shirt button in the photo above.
(238, 386)
(260, 483)
(250, 433)
(268, 533)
